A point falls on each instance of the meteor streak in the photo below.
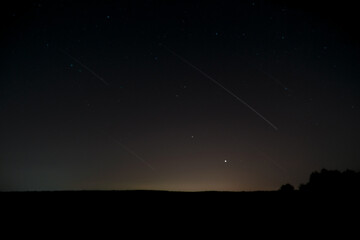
(134, 154)
(123, 146)
(84, 66)
(274, 79)
(222, 86)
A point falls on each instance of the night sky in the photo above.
(176, 95)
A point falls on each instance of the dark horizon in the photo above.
(196, 96)
(324, 181)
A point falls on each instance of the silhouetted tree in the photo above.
(287, 188)
(332, 181)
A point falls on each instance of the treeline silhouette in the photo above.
(329, 181)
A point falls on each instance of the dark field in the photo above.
(136, 212)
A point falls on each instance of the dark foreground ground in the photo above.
(170, 200)
(174, 214)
